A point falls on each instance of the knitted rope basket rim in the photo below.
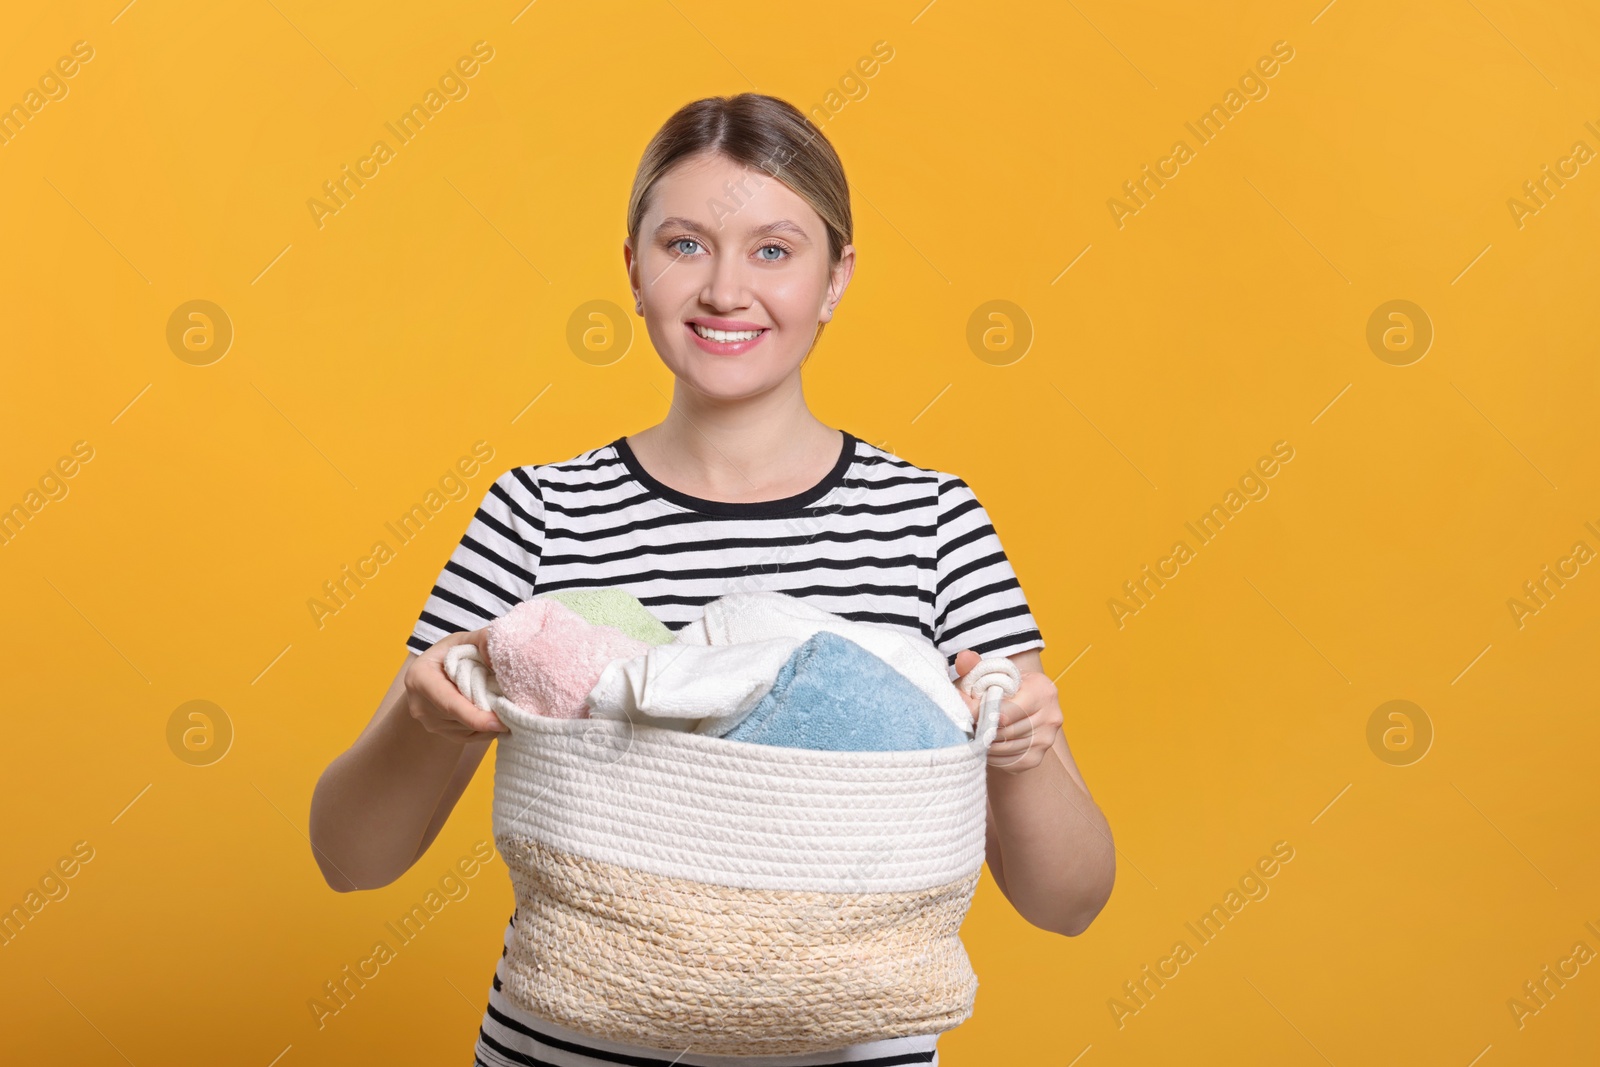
(992, 679)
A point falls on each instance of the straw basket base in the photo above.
(676, 964)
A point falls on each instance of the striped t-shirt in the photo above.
(877, 540)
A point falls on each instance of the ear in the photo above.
(631, 266)
(838, 280)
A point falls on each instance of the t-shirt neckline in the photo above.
(747, 509)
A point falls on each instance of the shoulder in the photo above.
(878, 467)
(598, 464)
(947, 493)
(527, 496)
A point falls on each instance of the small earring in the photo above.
(638, 306)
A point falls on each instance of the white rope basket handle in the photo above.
(992, 680)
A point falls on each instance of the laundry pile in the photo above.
(763, 667)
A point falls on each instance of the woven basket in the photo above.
(683, 891)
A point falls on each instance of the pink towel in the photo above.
(547, 657)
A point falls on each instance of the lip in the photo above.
(725, 348)
(712, 322)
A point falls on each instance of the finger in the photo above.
(1011, 713)
(1023, 738)
(448, 729)
(1007, 755)
(972, 702)
(455, 730)
(438, 688)
(1019, 726)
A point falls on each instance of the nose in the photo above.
(727, 284)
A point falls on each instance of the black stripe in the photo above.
(954, 544)
(702, 543)
(510, 502)
(951, 515)
(441, 624)
(621, 476)
(619, 522)
(456, 601)
(983, 592)
(528, 482)
(954, 634)
(555, 487)
(594, 459)
(726, 573)
(574, 511)
(633, 1060)
(891, 481)
(455, 567)
(494, 558)
(982, 563)
(509, 534)
(743, 509)
(664, 563)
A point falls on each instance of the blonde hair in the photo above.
(758, 131)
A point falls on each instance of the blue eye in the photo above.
(783, 250)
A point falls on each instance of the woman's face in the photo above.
(729, 248)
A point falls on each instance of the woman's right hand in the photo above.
(434, 701)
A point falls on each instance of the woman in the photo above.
(738, 252)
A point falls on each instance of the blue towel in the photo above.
(832, 694)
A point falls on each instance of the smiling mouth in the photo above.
(725, 336)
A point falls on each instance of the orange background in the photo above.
(1230, 312)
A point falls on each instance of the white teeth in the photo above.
(725, 336)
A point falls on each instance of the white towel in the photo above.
(704, 689)
(765, 614)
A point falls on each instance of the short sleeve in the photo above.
(978, 602)
(492, 569)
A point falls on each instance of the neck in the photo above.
(737, 449)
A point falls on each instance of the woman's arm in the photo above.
(380, 804)
(471, 755)
(1049, 845)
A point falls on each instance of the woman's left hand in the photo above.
(1030, 720)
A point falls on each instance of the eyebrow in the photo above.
(677, 222)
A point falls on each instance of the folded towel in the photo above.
(833, 694)
(756, 616)
(546, 657)
(696, 688)
(616, 608)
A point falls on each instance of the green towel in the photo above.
(616, 608)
